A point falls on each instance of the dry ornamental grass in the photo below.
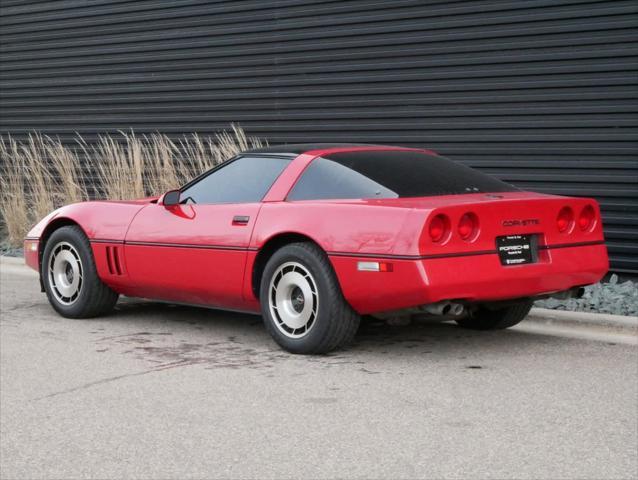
(42, 173)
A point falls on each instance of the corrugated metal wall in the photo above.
(542, 94)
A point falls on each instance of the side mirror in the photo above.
(171, 198)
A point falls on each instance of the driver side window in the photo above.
(243, 180)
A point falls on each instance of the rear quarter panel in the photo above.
(368, 230)
(343, 227)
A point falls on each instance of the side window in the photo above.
(244, 180)
(326, 179)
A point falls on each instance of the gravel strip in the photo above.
(610, 297)
(11, 251)
(7, 250)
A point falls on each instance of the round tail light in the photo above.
(468, 226)
(587, 218)
(565, 220)
(439, 228)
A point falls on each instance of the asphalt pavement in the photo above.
(156, 391)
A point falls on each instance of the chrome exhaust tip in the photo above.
(445, 308)
(456, 309)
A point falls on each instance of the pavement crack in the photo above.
(159, 368)
(21, 306)
(126, 335)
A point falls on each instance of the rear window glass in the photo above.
(390, 174)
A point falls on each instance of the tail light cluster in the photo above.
(440, 228)
(587, 219)
(566, 220)
(468, 226)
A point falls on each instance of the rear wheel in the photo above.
(496, 319)
(70, 278)
(301, 302)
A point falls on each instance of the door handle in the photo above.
(241, 220)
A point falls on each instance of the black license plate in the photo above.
(517, 249)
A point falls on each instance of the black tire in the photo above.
(496, 319)
(93, 297)
(335, 323)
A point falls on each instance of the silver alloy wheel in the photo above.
(65, 273)
(293, 299)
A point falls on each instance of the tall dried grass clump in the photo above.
(199, 154)
(66, 166)
(160, 165)
(13, 203)
(119, 166)
(42, 173)
(39, 177)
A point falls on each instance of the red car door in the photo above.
(195, 252)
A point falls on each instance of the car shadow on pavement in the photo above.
(170, 336)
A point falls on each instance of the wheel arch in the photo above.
(267, 250)
(52, 226)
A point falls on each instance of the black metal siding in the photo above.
(543, 94)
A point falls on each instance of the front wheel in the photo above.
(301, 302)
(70, 278)
(496, 319)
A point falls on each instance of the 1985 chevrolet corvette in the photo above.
(314, 236)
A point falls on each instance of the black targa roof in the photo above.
(299, 148)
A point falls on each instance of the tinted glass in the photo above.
(390, 174)
(244, 180)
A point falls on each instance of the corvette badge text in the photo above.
(521, 223)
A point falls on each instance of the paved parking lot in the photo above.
(156, 391)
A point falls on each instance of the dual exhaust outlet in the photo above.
(445, 308)
(455, 309)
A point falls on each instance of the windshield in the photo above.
(390, 174)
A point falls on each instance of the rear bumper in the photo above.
(473, 278)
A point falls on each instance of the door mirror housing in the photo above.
(171, 198)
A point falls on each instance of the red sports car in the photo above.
(314, 236)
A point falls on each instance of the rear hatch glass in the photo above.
(390, 174)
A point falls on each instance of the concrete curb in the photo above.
(626, 324)
(12, 260)
(16, 266)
